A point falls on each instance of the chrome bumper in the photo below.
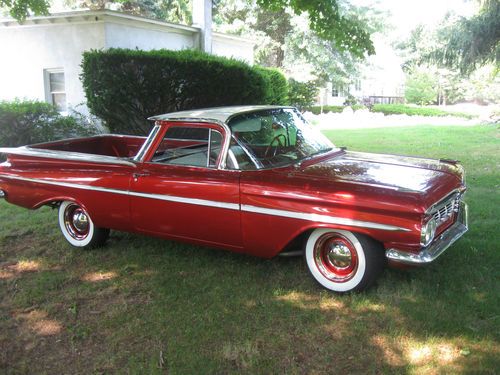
(438, 246)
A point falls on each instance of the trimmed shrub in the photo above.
(302, 94)
(401, 109)
(27, 122)
(278, 86)
(316, 109)
(125, 87)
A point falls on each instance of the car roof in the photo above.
(219, 114)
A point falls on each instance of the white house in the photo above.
(41, 57)
(381, 80)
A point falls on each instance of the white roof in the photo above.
(218, 114)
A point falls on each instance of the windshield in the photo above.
(275, 137)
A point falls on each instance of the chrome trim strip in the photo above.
(225, 205)
(145, 146)
(443, 242)
(195, 201)
(321, 218)
(66, 155)
(170, 198)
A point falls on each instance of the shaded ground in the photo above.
(143, 305)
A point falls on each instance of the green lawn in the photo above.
(144, 305)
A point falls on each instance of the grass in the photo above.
(147, 306)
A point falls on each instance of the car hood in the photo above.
(393, 172)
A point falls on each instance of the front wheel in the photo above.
(342, 261)
(78, 228)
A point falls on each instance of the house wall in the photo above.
(227, 46)
(28, 50)
(132, 36)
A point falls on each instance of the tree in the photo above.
(468, 43)
(20, 9)
(421, 88)
(330, 20)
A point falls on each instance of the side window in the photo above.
(190, 146)
(237, 158)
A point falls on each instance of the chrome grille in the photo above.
(445, 210)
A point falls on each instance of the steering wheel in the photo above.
(276, 139)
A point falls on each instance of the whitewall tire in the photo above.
(342, 261)
(78, 228)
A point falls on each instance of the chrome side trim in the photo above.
(321, 218)
(145, 146)
(195, 201)
(225, 205)
(170, 198)
(65, 155)
(440, 244)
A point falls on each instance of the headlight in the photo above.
(428, 231)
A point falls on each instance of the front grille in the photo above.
(445, 210)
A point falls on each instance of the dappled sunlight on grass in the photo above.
(10, 270)
(95, 277)
(38, 322)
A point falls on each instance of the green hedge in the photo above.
(333, 108)
(27, 122)
(401, 109)
(124, 87)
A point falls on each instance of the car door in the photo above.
(181, 192)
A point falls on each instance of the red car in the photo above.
(256, 180)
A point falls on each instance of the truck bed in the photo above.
(122, 146)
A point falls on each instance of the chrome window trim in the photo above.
(66, 155)
(147, 144)
(227, 138)
(225, 205)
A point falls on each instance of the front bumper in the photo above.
(438, 246)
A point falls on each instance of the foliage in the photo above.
(125, 87)
(420, 88)
(28, 122)
(329, 20)
(20, 9)
(316, 109)
(401, 109)
(302, 94)
(277, 86)
(468, 43)
(178, 11)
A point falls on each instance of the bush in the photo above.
(401, 109)
(277, 84)
(125, 87)
(302, 94)
(28, 122)
(333, 108)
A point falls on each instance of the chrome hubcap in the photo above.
(336, 257)
(80, 221)
(339, 256)
(77, 222)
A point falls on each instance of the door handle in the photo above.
(136, 176)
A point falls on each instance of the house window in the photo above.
(55, 90)
(337, 91)
(357, 85)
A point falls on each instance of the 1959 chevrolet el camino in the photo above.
(252, 179)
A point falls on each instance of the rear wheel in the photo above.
(343, 261)
(78, 228)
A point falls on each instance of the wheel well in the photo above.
(298, 243)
